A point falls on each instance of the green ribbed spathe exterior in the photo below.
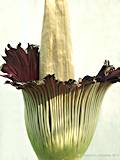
(61, 121)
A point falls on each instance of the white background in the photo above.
(95, 27)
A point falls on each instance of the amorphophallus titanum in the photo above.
(60, 113)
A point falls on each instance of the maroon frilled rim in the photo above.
(21, 65)
(22, 68)
(70, 84)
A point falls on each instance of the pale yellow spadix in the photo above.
(56, 48)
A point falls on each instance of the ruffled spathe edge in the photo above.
(21, 65)
(22, 68)
(111, 78)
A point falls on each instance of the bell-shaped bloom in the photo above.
(60, 116)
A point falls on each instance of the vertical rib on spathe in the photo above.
(59, 118)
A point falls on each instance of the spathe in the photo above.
(60, 116)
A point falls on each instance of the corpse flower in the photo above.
(60, 113)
